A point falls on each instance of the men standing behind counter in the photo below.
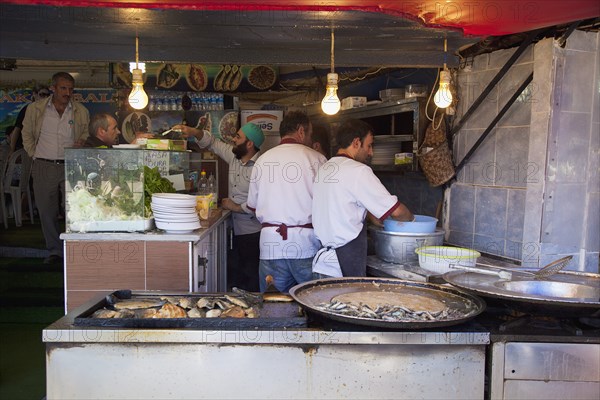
(241, 157)
(281, 193)
(104, 131)
(49, 126)
(345, 189)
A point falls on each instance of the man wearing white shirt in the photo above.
(281, 191)
(345, 189)
(49, 126)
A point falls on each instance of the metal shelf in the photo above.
(389, 109)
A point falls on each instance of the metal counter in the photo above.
(150, 236)
(306, 363)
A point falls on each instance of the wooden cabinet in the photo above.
(101, 266)
(405, 118)
(104, 262)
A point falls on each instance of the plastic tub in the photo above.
(422, 224)
(438, 258)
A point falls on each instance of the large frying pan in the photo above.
(311, 294)
(566, 293)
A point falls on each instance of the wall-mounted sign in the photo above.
(200, 78)
(11, 102)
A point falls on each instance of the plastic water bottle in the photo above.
(212, 189)
(203, 184)
(152, 104)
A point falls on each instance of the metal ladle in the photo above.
(505, 273)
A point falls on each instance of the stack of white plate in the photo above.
(175, 213)
(385, 148)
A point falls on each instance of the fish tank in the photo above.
(109, 190)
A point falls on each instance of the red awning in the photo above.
(479, 18)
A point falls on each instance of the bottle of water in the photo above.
(152, 103)
(212, 189)
(203, 184)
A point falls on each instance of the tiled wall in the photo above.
(414, 191)
(531, 190)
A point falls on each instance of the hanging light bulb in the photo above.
(331, 102)
(138, 99)
(443, 97)
(134, 65)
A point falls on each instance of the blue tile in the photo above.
(554, 248)
(490, 214)
(488, 108)
(481, 166)
(460, 239)
(583, 41)
(462, 206)
(416, 194)
(593, 223)
(513, 250)
(564, 214)
(516, 215)
(591, 263)
(519, 114)
(481, 62)
(576, 90)
(594, 160)
(430, 199)
(530, 254)
(489, 245)
(512, 149)
(573, 147)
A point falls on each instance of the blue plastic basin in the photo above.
(422, 224)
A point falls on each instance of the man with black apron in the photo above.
(345, 190)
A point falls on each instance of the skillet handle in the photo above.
(502, 274)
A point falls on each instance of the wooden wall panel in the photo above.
(105, 265)
(167, 266)
(75, 298)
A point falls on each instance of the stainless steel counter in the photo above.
(306, 363)
(150, 236)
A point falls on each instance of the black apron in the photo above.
(353, 255)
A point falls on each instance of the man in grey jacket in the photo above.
(49, 126)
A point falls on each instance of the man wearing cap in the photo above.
(242, 271)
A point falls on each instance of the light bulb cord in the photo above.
(445, 52)
(136, 51)
(332, 52)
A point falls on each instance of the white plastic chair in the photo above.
(21, 158)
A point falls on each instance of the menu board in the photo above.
(199, 78)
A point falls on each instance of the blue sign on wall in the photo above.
(11, 102)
